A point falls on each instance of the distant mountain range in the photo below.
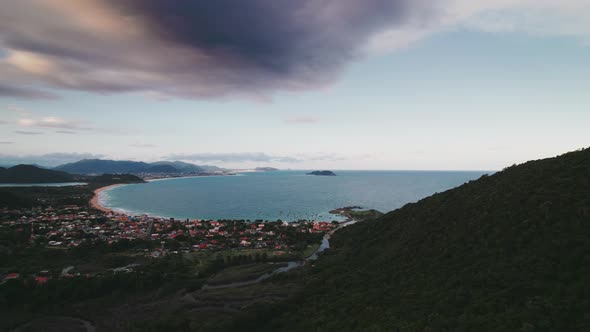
(101, 166)
(33, 174)
(106, 166)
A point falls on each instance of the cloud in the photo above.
(6, 143)
(302, 120)
(65, 126)
(52, 122)
(206, 49)
(50, 159)
(27, 132)
(328, 157)
(142, 145)
(231, 157)
(17, 110)
(23, 92)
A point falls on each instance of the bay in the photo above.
(284, 195)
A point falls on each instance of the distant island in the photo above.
(265, 169)
(322, 173)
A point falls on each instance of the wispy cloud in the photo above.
(50, 159)
(53, 122)
(139, 145)
(302, 120)
(231, 157)
(17, 110)
(326, 157)
(27, 132)
(6, 143)
(63, 126)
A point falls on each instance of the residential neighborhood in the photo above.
(72, 226)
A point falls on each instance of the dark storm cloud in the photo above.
(194, 49)
(244, 48)
(276, 36)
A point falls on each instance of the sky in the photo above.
(312, 84)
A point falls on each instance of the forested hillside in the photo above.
(508, 252)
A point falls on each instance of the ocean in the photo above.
(284, 195)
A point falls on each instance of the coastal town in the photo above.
(72, 226)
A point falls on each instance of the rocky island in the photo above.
(322, 173)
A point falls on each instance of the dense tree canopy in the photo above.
(508, 252)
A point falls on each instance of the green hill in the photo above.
(108, 179)
(32, 174)
(508, 252)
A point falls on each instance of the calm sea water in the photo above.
(285, 195)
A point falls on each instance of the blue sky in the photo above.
(461, 97)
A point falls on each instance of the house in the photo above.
(11, 276)
(41, 280)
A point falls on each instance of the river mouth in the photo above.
(325, 245)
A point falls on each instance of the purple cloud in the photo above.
(194, 49)
(251, 48)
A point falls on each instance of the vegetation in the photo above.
(27, 197)
(357, 213)
(33, 174)
(508, 252)
(98, 181)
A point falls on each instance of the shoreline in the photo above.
(187, 177)
(95, 203)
